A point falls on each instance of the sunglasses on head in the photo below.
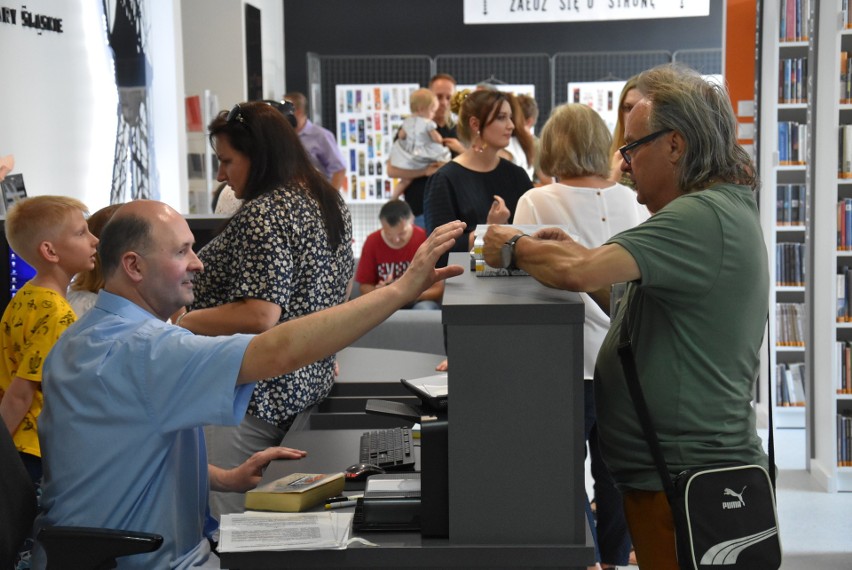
(235, 114)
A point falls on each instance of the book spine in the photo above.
(847, 224)
(791, 19)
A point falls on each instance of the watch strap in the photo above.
(511, 243)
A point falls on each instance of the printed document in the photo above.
(251, 531)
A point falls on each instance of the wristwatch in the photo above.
(507, 252)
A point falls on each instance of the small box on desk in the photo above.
(391, 502)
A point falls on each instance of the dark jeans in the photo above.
(612, 539)
(34, 469)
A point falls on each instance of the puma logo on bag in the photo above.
(739, 503)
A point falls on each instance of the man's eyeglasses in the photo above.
(629, 148)
(235, 114)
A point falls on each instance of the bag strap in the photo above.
(770, 404)
(628, 363)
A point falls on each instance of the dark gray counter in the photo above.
(515, 446)
(515, 350)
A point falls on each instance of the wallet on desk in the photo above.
(391, 502)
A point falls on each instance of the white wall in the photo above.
(59, 102)
(272, 38)
(215, 60)
(59, 98)
(165, 50)
(214, 48)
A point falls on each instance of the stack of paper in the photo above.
(253, 531)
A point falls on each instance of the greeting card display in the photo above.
(368, 117)
(602, 96)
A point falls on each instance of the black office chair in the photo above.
(68, 548)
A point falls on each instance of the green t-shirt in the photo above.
(702, 306)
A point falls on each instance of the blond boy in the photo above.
(49, 233)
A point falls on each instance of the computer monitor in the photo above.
(14, 271)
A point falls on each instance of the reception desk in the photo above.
(515, 443)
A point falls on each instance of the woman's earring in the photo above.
(479, 146)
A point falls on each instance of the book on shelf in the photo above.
(843, 383)
(790, 264)
(791, 205)
(790, 324)
(844, 295)
(844, 440)
(790, 385)
(295, 492)
(845, 17)
(194, 122)
(794, 20)
(844, 158)
(792, 143)
(792, 80)
(844, 224)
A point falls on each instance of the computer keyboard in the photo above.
(390, 449)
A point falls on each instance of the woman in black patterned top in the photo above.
(285, 253)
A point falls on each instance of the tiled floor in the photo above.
(816, 527)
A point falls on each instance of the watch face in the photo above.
(506, 255)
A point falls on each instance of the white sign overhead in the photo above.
(541, 11)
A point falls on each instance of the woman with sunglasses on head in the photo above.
(477, 186)
(285, 253)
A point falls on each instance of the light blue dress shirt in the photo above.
(123, 447)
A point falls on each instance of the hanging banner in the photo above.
(541, 11)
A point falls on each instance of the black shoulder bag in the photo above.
(724, 515)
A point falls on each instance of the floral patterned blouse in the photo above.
(275, 249)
